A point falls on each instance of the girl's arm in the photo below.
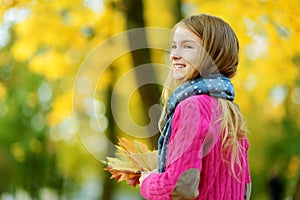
(189, 127)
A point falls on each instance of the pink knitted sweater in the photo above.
(195, 142)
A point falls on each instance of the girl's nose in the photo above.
(174, 55)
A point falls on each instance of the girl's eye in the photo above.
(188, 46)
(173, 46)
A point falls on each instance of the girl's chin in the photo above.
(178, 76)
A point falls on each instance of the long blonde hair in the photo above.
(220, 55)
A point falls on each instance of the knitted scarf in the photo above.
(215, 85)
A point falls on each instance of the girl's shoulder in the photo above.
(202, 100)
(199, 104)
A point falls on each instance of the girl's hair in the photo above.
(219, 55)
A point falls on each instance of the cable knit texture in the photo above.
(195, 142)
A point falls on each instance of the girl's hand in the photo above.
(146, 174)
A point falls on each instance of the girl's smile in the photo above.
(185, 52)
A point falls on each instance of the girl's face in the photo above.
(185, 53)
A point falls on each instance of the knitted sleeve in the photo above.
(189, 126)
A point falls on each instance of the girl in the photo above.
(203, 146)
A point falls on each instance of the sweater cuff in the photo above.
(144, 189)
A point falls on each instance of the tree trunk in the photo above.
(150, 93)
(111, 134)
(177, 10)
(296, 195)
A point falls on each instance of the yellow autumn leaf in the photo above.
(51, 64)
(136, 153)
(61, 108)
(133, 158)
(23, 49)
(122, 165)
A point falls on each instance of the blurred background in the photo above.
(42, 46)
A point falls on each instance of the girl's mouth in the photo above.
(179, 66)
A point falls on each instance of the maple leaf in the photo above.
(133, 158)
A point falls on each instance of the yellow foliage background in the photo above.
(54, 37)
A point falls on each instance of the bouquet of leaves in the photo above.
(133, 157)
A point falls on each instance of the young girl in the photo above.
(203, 146)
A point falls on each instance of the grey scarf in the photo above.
(215, 85)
